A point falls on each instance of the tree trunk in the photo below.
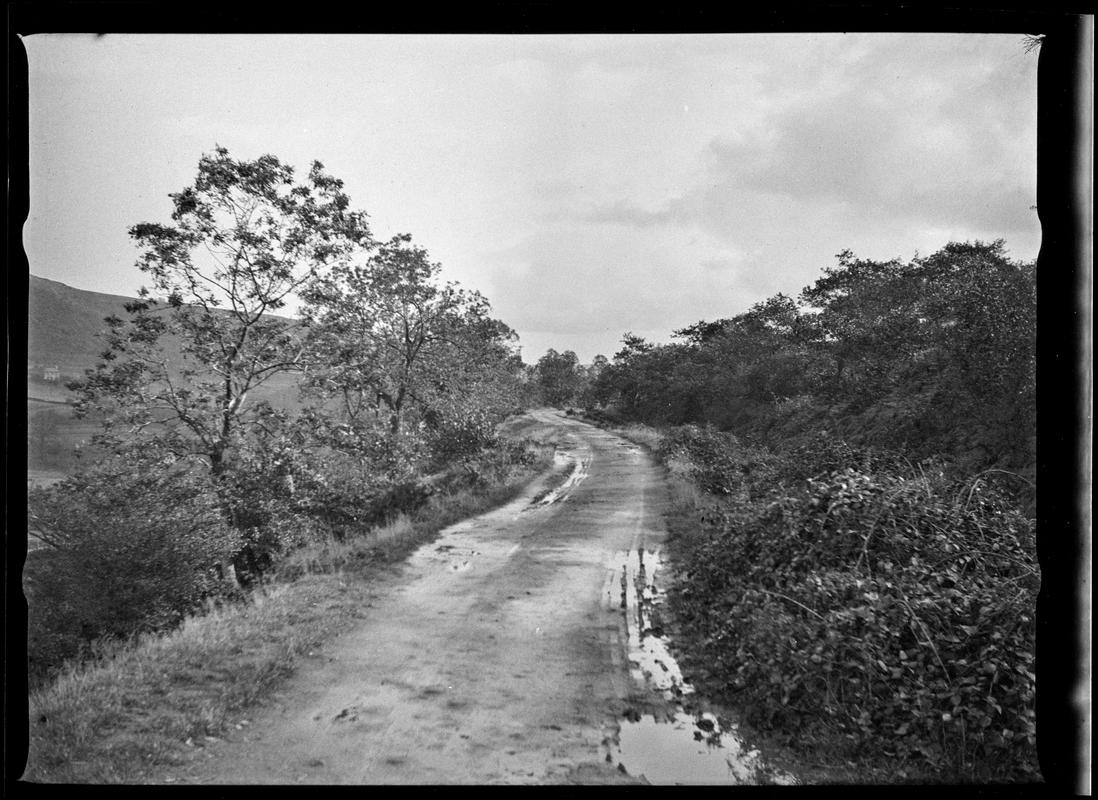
(396, 418)
(226, 569)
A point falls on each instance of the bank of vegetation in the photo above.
(856, 545)
(137, 703)
(233, 438)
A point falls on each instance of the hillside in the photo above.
(63, 323)
(63, 327)
(63, 331)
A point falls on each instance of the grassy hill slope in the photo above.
(63, 327)
(63, 323)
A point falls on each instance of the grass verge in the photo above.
(141, 704)
(643, 435)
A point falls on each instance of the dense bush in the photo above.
(879, 609)
(343, 499)
(260, 498)
(459, 435)
(719, 464)
(131, 544)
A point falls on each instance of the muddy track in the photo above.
(513, 649)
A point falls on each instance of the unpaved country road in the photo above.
(499, 655)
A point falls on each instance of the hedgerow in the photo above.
(879, 609)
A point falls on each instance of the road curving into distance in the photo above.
(512, 649)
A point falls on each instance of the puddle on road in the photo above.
(678, 751)
(454, 545)
(577, 476)
(453, 549)
(650, 660)
(686, 748)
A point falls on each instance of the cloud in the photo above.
(625, 212)
(930, 136)
(880, 148)
(573, 278)
(588, 185)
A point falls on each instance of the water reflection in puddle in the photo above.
(579, 473)
(650, 660)
(684, 747)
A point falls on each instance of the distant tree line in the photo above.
(935, 355)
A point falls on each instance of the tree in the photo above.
(395, 348)
(558, 375)
(979, 319)
(244, 239)
(589, 394)
(620, 380)
(864, 319)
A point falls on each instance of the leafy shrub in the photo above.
(491, 466)
(720, 464)
(886, 613)
(820, 454)
(459, 435)
(350, 503)
(132, 544)
(296, 482)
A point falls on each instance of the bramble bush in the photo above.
(132, 544)
(881, 609)
(719, 464)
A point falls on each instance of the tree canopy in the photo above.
(931, 354)
(244, 240)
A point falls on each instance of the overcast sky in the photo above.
(587, 185)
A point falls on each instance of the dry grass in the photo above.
(144, 703)
(137, 708)
(531, 431)
(644, 435)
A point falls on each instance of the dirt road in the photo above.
(501, 654)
